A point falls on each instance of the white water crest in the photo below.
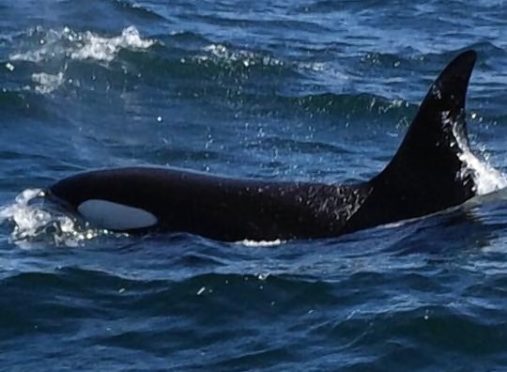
(33, 222)
(69, 44)
(92, 46)
(58, 47)
(47, 83)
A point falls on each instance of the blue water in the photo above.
(283, 90)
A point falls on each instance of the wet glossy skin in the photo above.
(425, 175)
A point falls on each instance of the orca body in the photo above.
(426, 175)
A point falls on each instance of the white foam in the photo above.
(24, 217)
(105, 49)
(66, 43)
(486, 178)
(58, 46)
(47, 83)
(33, 223)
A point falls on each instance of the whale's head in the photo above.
(107, 199)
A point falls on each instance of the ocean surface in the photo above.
(312, 90)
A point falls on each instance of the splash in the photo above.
(220, 53)
(34, 222)
(59, 46)
(99, 48)
(66, 43)
(47, 83)
(486, 178)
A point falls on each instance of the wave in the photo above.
(47, 83)
(239, 79)
(239, 58)
(136, 9)
(27, 103)
(400, 317)
(329, 6)
(188, 65)
(66, 43)
(353, 104)
(50, 53)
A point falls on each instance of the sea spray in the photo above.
(34, 220)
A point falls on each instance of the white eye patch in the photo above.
(115, 216)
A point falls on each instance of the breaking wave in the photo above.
(66, 43)
(47, 83)
(51, 51)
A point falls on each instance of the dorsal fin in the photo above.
(441, 115)
(426, 174)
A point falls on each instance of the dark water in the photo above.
(293, 90)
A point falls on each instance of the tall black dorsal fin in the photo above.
(441, 115)
(426, 174)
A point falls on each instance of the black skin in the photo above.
(426, 175)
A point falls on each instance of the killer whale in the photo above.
(427, 174)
